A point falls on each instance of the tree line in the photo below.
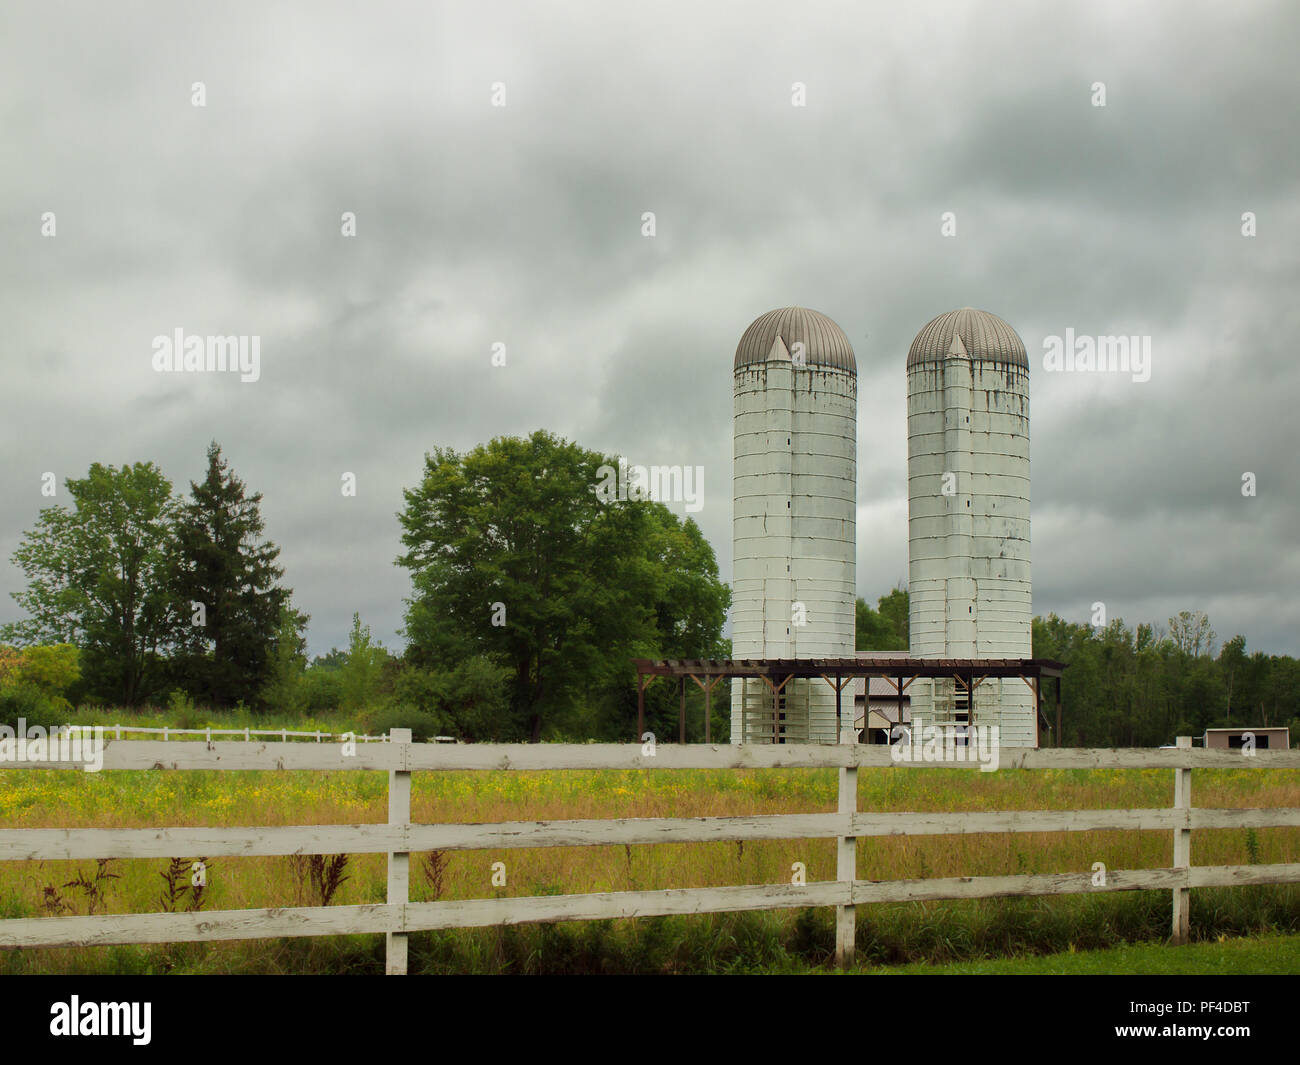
(1136, 686)
(530, 596)
(156, 590)
(1143, 686)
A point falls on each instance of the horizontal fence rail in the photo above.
(246, 734)
(526, 757)
(398, 838)
(76, 844)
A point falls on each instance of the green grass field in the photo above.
(933, 933)
(1262, 955)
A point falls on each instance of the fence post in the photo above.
(846, 864)
(399, 862)
(1182, 848)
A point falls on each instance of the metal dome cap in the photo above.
(985, 336)
(825, 343)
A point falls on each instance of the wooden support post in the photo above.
(706, 686)
(843, 733)
(643, 681)
(776, 703)
(681, 714)
(846, 871)
(1058, 711)
(1182, 848)
(839, 720)
(1035, 686)
(399, 862)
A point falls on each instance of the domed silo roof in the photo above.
(824, 342)
(985, 336)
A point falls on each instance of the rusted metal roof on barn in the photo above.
(825, 343)
(985, 337)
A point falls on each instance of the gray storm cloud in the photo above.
(522, 225)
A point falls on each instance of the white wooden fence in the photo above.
(209, 734)
(399, 917)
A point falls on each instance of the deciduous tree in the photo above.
(514, 556)
(98, 577)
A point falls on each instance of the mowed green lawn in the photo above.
(1262, 955)
(1254, 956)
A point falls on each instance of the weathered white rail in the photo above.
(209, 734)
(398, 917)
(152, 754)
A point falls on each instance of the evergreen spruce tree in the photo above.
(229, 576)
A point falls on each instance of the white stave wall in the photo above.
(969, 579)
(794, 529)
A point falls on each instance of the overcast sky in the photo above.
(522, 224)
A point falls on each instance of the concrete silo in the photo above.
(968, 515)
(795, 509)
